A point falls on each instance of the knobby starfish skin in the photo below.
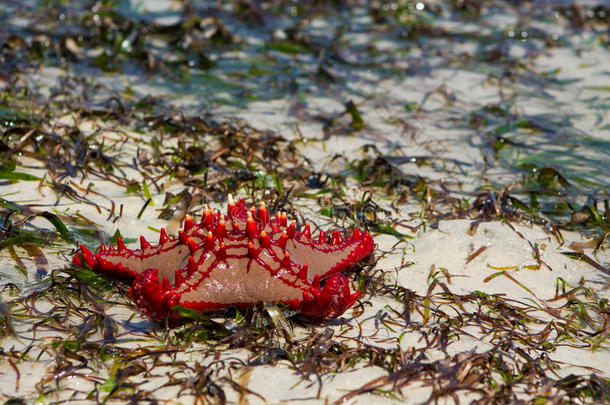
(237, 259)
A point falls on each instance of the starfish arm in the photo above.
(329, 301)
(126, 264)
(324, 259)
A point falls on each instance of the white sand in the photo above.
(434, 254)
(448, 247)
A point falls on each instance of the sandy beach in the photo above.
(483, 180)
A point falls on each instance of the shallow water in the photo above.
(486, 96)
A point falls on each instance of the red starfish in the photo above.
(238, 259)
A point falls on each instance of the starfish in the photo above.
(237, 259)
